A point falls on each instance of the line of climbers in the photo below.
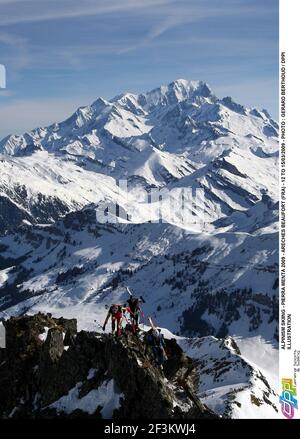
(131, 313)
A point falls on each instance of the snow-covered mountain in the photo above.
(153, 139)
(216, 276)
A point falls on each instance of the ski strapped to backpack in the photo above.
(132, 295)
(151, 323)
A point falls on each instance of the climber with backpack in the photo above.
(155, 339)
(134, 304)
(115, 312)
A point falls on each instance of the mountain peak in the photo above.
(177, 91)
(191, 86)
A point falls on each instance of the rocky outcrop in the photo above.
(48, 369)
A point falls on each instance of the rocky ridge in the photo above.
(48, 369)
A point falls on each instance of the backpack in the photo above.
(157, 338)
(133, 303)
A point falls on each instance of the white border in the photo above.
(289, 43)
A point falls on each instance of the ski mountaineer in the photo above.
(134, 304)
(155, 339)
(117, 313)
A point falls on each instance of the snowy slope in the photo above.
(228, 383)
(194, 283)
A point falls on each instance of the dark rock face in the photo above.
(10, 215)
(16, 207)
(46, 359)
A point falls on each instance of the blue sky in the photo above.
(63, 54)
